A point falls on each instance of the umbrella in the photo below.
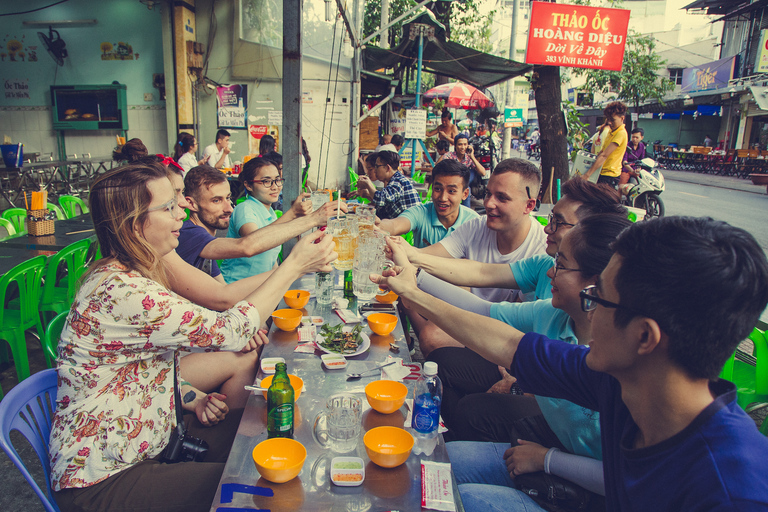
(458, 95)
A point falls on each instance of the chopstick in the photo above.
(78, 232)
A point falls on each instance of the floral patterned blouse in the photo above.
(115, 401)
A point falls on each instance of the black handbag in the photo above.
(557, 494)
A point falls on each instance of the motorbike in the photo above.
(643, 191)
(534, 151)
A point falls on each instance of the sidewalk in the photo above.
(711, 180)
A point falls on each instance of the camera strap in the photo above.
(180, 428)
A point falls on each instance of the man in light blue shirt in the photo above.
(431, 222)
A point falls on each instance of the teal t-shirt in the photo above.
(426, 227)
(578, 428)
(250, 210)
(531, 275)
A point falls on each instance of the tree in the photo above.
(545, 82)
(638, 79)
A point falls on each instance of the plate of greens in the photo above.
(341, 339)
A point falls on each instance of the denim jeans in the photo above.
(483, 480)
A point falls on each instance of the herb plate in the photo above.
(361, 348)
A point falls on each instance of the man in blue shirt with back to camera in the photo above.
(674, 302)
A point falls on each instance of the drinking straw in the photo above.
(25, 200)
(338, 206)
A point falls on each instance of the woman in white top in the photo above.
(184, 152)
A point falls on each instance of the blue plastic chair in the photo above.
(29, 408)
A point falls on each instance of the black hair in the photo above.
(390, 158)
(638, 130)
(274, 156)
(130, 152)
(703, 281)
(183, 144)
(594, 198)
(266, 144)
(449, 167)
(371, 158)
(252, 167)
(460, 136)
(397, 140)
(442, 145)
(591, 239)
(221, 134)
(445, 114)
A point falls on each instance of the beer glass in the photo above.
(338, 427)
(343, 229)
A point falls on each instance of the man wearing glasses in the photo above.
(674, 302)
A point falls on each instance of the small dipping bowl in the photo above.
(296, 299)
(386, 396)
(388, 447)
(382, 323)
(387, 298)
(279, 459)
(287, 319)
(296, 382)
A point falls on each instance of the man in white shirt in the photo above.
(217, 154)
(507, 233)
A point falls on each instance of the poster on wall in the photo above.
(577, 36)
(16, 49)
(257, 131)
(761, 66)
(117, 51)
(232, 106)
(712, 75)
(16, 89)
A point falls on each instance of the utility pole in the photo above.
(384, 39)
(507, 141)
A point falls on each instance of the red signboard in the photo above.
(577, 36)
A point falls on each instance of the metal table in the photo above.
(383, 489)
(66, 232)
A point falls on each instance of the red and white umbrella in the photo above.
(459, 95)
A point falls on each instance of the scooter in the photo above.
(645, 193)
(534, 151)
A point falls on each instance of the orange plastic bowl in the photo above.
(279, 459)
(386, 396)
(296, 382)
(287, 319)
(296, 299)
(382, 323)
(387, 298)
(388, 447)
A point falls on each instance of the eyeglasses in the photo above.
(558, 267)
(171, 206)
(589, 301)
(555, 223)
(267, 183)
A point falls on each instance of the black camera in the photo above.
(184, 448)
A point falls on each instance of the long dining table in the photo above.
(242, 488)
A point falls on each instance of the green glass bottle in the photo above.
(349, 291)
(280, 404)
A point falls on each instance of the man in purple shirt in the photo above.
(635, 152)
(674, 302)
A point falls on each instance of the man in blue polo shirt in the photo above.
(431, 222)
(674, 302)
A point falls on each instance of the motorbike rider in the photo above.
(635, 152)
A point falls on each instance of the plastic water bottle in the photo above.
(425, 421)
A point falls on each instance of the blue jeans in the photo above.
(483, 480)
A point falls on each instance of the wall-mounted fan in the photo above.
(55, 45)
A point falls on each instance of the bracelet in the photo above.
(547, 458)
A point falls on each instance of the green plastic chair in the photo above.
(61, 277)
(750, 372)
(428, 196)
(18, 217)
(71, 204)
(52, 336)
(8, 226)
(57, 210)
(542, 220)
(14, 323)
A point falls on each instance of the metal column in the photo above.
(291, 139)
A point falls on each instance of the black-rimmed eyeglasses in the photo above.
(559, 267)
(554, 223)
(267, 183)
(590, 300)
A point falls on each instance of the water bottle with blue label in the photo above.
(425, 421)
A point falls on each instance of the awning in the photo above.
(444, 58)
(761, 96)
(716, 7)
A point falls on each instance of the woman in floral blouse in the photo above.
(119, 351)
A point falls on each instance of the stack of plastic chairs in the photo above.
(750, 372)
